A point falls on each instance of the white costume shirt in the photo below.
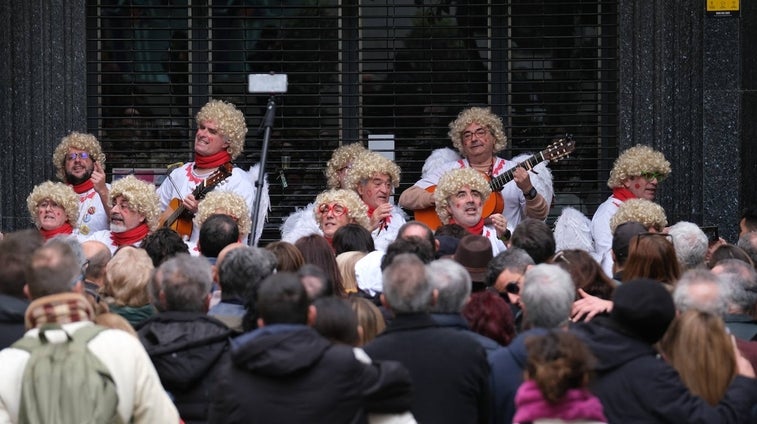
(515, 201)
(497, 245)
(601, 233)
(301, 223)
(186, 180)
(92, 216)
(141, 397)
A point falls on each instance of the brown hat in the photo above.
(474, 253)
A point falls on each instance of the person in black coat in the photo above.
(449, 368)
(186, 346)
(634, 384)
(285, 372)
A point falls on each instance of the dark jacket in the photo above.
(286, 373)
(742, 326)
(188, 349)
(12, 310)
(457, 322)
(637, 386)
(508, 365)
(449, 369)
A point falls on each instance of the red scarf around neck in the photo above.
(212, 161)
(83, 187)
(130, 236)
(477, 229)
(622, 194)
(66, 228)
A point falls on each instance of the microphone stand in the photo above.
(259, 184)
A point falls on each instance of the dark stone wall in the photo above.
(682, 93)
(43, 97)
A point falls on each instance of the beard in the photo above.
(74, 180)
(117, 228)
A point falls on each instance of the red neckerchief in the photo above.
(66, 228)
(83, 187)
(212, 161)
(130, 236)
(477, 229)
(387, 220)
(622, 194)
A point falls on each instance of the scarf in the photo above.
(66, 228)
(61, 308)
(83, 187)
(477, 229)
(130, 236)
(577, 404)
(212, 161)
(622, 194)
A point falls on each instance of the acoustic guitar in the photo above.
(177, 217)
(494, 203)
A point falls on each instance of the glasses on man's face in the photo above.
(649, 176)
(667, 236)
(512, 287)
(338, 209)
(81, 155)
(468, 135)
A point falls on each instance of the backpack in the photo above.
(65, 382)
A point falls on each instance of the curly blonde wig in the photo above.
(80, 141)
(60, 193)
(342, 157)
(230, 121)
(636, 160)
(646, 212)
(367, 166)
(482, 116)
(127, 276)
(356, 209)
(141, 196)
(227, 203)
(451, 182)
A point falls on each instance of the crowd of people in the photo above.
(483, 314)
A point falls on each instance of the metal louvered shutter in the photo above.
(356, 70)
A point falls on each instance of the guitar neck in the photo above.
(498, 182)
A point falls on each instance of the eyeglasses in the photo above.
(560, 256)
(642, 235)
(512, 287)
(467, 135)
(48, 204)
(73, 156)
(338, 209)
(649, 176)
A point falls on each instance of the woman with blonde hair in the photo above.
(346, 263)
(369, 318)
(126, 289)
(54, 208)
(699, 347)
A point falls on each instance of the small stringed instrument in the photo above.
(177, 217)
(494, 203)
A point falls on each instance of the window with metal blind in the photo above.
(396, 72)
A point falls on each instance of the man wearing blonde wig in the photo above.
(459, 198)
(634, 175)
(79, 161)
(219, 139)
(374, 178)
(478, 135)
(336, 208)
(134, 214)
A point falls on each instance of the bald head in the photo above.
(98, 255)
